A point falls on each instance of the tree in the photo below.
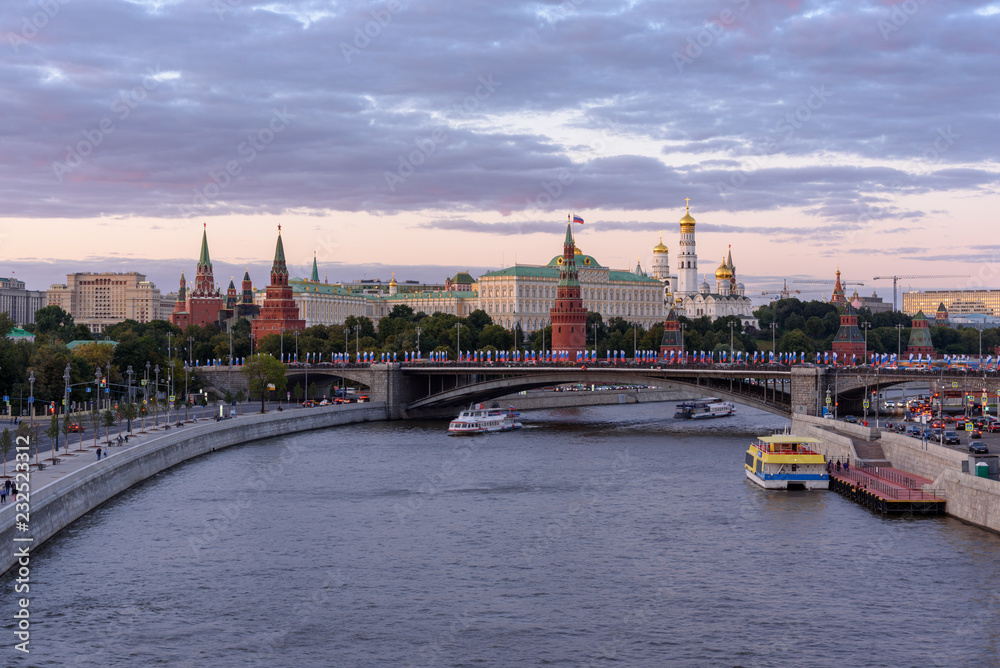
(6, 443)
(55, 321)
(796, 341)
(312, 390)
(297, 391)
(95, 421)
(53, 433)
(264, 370)
(65, 430)
(109, 421)
(130, 412)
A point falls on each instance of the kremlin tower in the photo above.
(201, 305)
(569, 317)
(279, 313)
(920, 336)
(849, 342)
(838, 298)
(687, 268)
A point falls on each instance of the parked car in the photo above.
(951, 438)
(363, 399)
(914, 431)
(979, 448)
(851, 419)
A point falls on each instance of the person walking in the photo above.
(98, 454)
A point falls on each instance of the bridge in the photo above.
(426, 389)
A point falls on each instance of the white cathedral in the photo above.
(682, 293)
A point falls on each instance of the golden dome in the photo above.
(687, 221)
(393, 281)
(723, 272)
(660, 248)
(576, 250)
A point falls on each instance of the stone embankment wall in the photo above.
(970, 499)
(924, 459)
(59, 503)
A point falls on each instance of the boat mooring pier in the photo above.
(887, 490)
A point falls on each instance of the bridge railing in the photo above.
(890, 475)
(866, 481)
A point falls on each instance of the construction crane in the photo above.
(895, 280)
(783, 293)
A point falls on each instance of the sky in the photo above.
(428, 137)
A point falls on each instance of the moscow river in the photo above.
(605, 536)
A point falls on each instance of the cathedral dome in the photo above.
(576, 250)
(723, 272)
(660, 248)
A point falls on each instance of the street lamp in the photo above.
(459, 344)
(866, 325)
(129, 373)
(306, 367)
(418, 343)
(296, 334)
(732, 326)
(899, 342)
(31, 395)
(156, 391)
(187, 403)
(774, 339)
(191, 348)
(683, 351)
(66, 375)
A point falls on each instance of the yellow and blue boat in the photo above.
(784, 461)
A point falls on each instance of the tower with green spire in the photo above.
(315, 275)
(569, 317)
(279, 312)
(204, 281)
(200, 304)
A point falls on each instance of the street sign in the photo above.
(171, 397)
(143, 381)
(828, 401)
(866, 403)
(954, 384)
(968, 426)
(88, 390)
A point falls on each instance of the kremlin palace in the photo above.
(524, 295)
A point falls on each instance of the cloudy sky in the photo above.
(426, 136)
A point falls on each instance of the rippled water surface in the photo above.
(606, 536)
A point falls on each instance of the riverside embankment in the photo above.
(968, 498)
(79, 484)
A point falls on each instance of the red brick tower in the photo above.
(204, 302)
(569, 318)
(279, 312)
(672, 341)
(849, 340)
(179, 316)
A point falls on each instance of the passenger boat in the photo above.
(478, 419)
(700, 409)
(784, 461)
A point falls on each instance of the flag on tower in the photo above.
(577, 219)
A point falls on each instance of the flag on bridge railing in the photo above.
(854, 359)
(826, 357)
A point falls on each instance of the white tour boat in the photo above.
(700, 409)
(478, 419)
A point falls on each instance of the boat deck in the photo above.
(887, 490)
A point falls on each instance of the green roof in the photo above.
(629, 276)
(279, 252)
(454, 294)
(551, 270)
(463, 277)
(204, 259)
(588, 261)
(18, 333)
(301, 285)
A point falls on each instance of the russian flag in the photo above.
(577, 219)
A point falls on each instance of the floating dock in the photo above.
(887, 490)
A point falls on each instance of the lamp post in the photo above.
(281, 343)
(458, 325)
(418, 343)
(296, 333)
(683, 351)
(129, 372)
(899, 342)
(156, 391)
(187, 411)
(866, 325)
(66, 375)
(191, 348)
(774, 337)
(31, 395)
(595, 337)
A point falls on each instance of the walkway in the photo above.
(885, 489)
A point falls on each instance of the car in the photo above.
(937, 424)
(949, 419)
(324, 403)
(74, 427)
(914, 431)
(851, 419)
(993, 427)
(959, 423)
(976, 434)
(951, 438)
(308, 403)
(363, 399)
(979, 448)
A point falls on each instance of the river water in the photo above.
(605, 536)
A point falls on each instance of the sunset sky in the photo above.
(426, 137)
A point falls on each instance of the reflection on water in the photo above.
(598, 536)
